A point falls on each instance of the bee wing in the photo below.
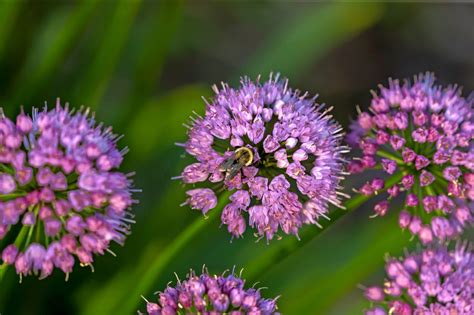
(227, 164)
(233, 170)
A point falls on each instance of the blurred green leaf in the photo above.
(3, 270)
(160, 121)
(127, 301)
(133, 268)
(104, 301)
(93, 85)
(51, 44)
(350, 305)
(294, 45)
(264, 262)
(336, 271)
(160, 32)
(9, 10)
(162, 116)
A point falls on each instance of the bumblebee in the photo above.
(241, 157)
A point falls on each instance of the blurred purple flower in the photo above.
(435, 281)
(425, 132)
(211, 294)
(59, 181)
(279, 152)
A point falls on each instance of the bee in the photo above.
(241, 157)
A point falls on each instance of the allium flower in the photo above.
(423, 132)
(278, 152)
(434, 282)
(60, 193)
(211, 294)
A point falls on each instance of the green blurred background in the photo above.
(143, 66)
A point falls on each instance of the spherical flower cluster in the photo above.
(278, 152)
(424, 133)
(435, 281)
(60, 193)
(211, 295)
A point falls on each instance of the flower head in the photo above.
(434, 281)
(211, 294)
(61, 195)
(278, 152)
(424, 133)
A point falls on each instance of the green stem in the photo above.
(429, 191)
(3, 269)
(439, 176)
(12, 196)
(30, 232)
(419, 206)
(144, 284)
(387, 155)
(21, 236)
(18, 242)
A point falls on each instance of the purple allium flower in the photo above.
(434, 281)
(60, 191)
(424, 132)
(278, 152)
(211, 294)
